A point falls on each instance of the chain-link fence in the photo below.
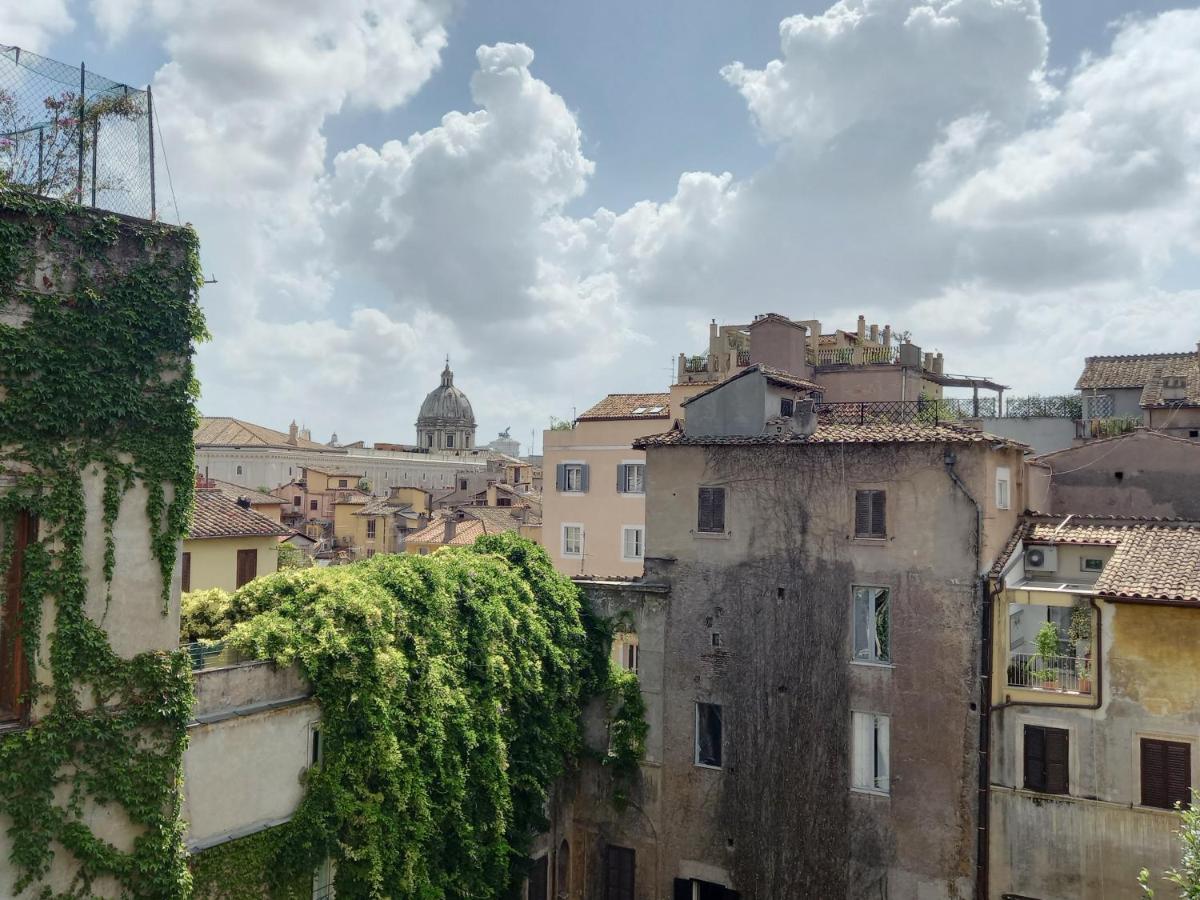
(74, 135)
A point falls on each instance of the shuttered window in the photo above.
(620, 864)
(539, 879)
(1046, 756)
(711, 510)
(185, 572)
(631, 478)
(708, 735)
(14, 671)
(370, 529)
(1166, 773)
(247, 566)
(571, 478)
(870, 514)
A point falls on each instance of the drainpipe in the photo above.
(981, 839)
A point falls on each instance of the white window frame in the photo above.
(641, 529)
(569, 467)
(625, 492)
(854, 589)
(696, 735)
(861, 782)
(1003, 487)
(625, 650)
(563, 541)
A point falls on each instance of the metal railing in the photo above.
(213, 655)
(743, 358)
(1062, 406)
(70, 134)
(888, 412)
(696, 364)
(1060, 674)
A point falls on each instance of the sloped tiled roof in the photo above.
(224, 431)
(439, 532)
(775, 376)
(1145, 371)
(257, 498)
(217, 515)
(1152, 559)
(830, 433)
(624, 406)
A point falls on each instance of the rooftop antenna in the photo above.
(211, 279)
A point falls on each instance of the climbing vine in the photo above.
(98, 316)
(451, 688)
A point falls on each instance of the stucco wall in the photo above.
(737, 408)
(247, 749)
(779, 819)
(846, 384)
(602, 511)
(1043, 433)
(1180, 421)
(214, 560)
(1137, 474)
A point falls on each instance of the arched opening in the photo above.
(562, 871)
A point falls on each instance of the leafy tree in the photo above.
(1187, 876)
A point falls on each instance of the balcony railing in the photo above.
(1059, 674)
(888, 412)
(696, 364)
(213, 655)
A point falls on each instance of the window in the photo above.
(632, 543)
(562, 870)
(1002, 483)
(1046, 759)
(631, 478)
(625, 650)
(872, 624)
(185, 572)
(14, 672)
(429, 440)
(870, 741)
(370, 552)
(296, 500)
(370, 529)
(572, 540)
(691, 889)
(247, 566)
(1166, 773)
(239, 470)
(462, 484)
(539, 879)
(787, 406)
(708, 735)
(572, 478)
(870, 514)
(315, 754)
(312, 504)
(620, 863)
(342, 482)
(710, 516)
(449, 440)
(467, 442)
(1091, 564)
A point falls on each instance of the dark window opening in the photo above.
(539, 879)
(1166, 773)
(295, 501)
(14, 669)
(312, 504)
(620, 864)
(247, 566)
(787, 406)
(314, 753)
(870, 514)
(462, 484)
(711, 517)
(1046, 755)
(708, 735)
(692, 889)
(1119, 475)
(185, 572)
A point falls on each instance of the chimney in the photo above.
(939, 364)
(874, 334)
(862, 327)
(927, 362)
(804, 417)
(243, 502)
(887, 335)
(305, 434)
(293, 433)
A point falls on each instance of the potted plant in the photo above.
(1046, 642)
(1085, 675)
(1080, 632)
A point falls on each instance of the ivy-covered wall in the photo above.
(98, 317)
(451, 689)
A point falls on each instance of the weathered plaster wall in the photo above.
(852, 384)
(1045, 434)
(1138, 474)
(738, 408)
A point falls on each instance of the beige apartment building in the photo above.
(594, 514)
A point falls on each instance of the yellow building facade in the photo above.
(228, 544)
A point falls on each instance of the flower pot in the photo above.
(1085, 685)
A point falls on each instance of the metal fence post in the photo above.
(95, 141)
(41, 155)
(79, 125)
(150, 120)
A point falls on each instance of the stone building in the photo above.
(446, 420)
(808, 634)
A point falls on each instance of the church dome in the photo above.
(446, 405)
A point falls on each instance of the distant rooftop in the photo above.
(833, 433)
(217, 515)
(629, 406)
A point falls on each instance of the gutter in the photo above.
(984, 773)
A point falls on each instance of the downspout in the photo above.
(984, 774)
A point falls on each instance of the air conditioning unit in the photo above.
(1041, 559)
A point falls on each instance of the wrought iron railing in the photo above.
(696, 364)
(213, 655)
(743, 357)
(888, 412)
(1063, 406)
(1060, 674)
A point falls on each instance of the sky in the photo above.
(561, 195)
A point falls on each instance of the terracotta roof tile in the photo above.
(829, 433)
(224, 431)
(439, 532)
(233, 491)
(1145, 371)
(217, 515)
(626, 406)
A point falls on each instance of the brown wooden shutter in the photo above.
(711, 510)
(1057, 764)
(878, 513)
(1035, 758)
(1166, 773)
(185, 572)
(862, 513)
(247, 566)
(14, 669)
(1047, 759)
